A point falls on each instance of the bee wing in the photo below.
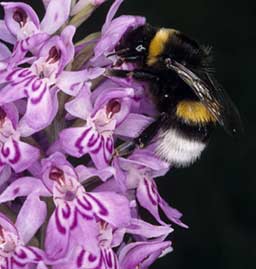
(227, 114)
(212, 95)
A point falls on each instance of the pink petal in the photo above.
(81, 106)
(148, 198)
(71, 82)
(111, 13)
(141, 254)
(172, 214)
(147, 230)
(56, 15)
(114, 32)
(19, 155)
(23, 187)
(39, 113)
(57, 236)
(111, 207)
(5, 34)
(73, 140)
(85, 173)
(10, 93)
(67, 35)
(133, 125)
(7, 224)
(31, 216)
(4, 51)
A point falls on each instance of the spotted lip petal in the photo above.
(18, 155)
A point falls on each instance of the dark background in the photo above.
(217, 195)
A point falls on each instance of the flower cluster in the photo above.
(66, 200)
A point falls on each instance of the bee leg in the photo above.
(136, 74)
(144, 139)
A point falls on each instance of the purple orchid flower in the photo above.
(104, 115)
(14, 253)
(109, 238)
(136, 173)
(21, 26)
(22, 22)
(14, 153)
(41, 82)
(76, 211)
(84, 216)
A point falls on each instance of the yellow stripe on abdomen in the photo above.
(194, 111)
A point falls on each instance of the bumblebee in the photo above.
(183, 89)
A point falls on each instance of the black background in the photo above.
(217, 194)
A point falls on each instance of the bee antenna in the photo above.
(118, 52)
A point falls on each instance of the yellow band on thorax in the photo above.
(157, 44)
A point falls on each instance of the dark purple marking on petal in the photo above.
(74, 86)
(21, 254)
(155, 191)
(56, 174)
(69, 196)
(54, 55)
(66, 213)
(113, 107)
(151, 198)
(75, 218)
(2, 114)
(79, 141)
(109, 145)
(17, 155)
(60, 228)
(20, 16)
(37, 100)
(115, 262)
(13, 261)
(79, 261)
(92, 141)
(102, 209)
(92, 258)
(24, 73)
(36, 84)
(105, 150)
(5, 151)
(24, 45)
(84, 203)
(56, 16)
(27, 80)
(108, 257)
(96, 151)
(16, 190)
(38, 257)
(10, 76)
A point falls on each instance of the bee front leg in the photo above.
(136, 74)
(144, 139)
